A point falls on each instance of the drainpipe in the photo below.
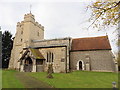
(66, 61)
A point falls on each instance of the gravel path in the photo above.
(30, 82)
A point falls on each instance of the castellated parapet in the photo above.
(30, 18)
(39, 25)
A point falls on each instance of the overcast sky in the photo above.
(60, 18)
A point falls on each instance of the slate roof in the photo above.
(91, 43)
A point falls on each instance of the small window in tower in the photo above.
(21, 40)
(21, 32)
(38, 33)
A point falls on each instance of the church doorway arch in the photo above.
(28, 65)
(80, 65)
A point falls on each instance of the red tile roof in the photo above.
(91, 43)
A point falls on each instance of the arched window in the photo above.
(52, 57)
(47, 56)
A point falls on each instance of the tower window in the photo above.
(21, 40)
(38, 34)
(21, 32)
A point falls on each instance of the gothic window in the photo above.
(47, 56)
(50, 57)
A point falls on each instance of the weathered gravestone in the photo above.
(50, 71)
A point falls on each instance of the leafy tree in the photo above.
(7, 44)
(105, 12)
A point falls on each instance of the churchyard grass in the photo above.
(76, 79)
(9, 79)
(79, 79)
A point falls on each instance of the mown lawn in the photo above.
(9, 79)
(79, 79)
(119, 80)
(0, 78)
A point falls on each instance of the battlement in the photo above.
(29, 15)
(39, 25)
(30, 18)
(19, 24)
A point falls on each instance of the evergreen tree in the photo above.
(7, 44)
(0, 49)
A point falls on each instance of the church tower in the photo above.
(26, 31)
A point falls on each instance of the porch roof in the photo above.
(25, 53)
(37, 54)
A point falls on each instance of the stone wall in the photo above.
(56, 45)
(59, 58)
(99, 60)
(52, 42)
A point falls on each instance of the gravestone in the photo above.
(50, 71)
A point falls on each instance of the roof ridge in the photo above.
(92, 37)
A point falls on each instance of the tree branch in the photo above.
(96, 19)
(104, 10)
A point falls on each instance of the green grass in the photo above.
(119, 80)
(9, 79)
(0, 79)
(79, 79)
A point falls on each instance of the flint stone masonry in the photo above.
(100, 60)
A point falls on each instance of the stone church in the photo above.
(32, 53)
